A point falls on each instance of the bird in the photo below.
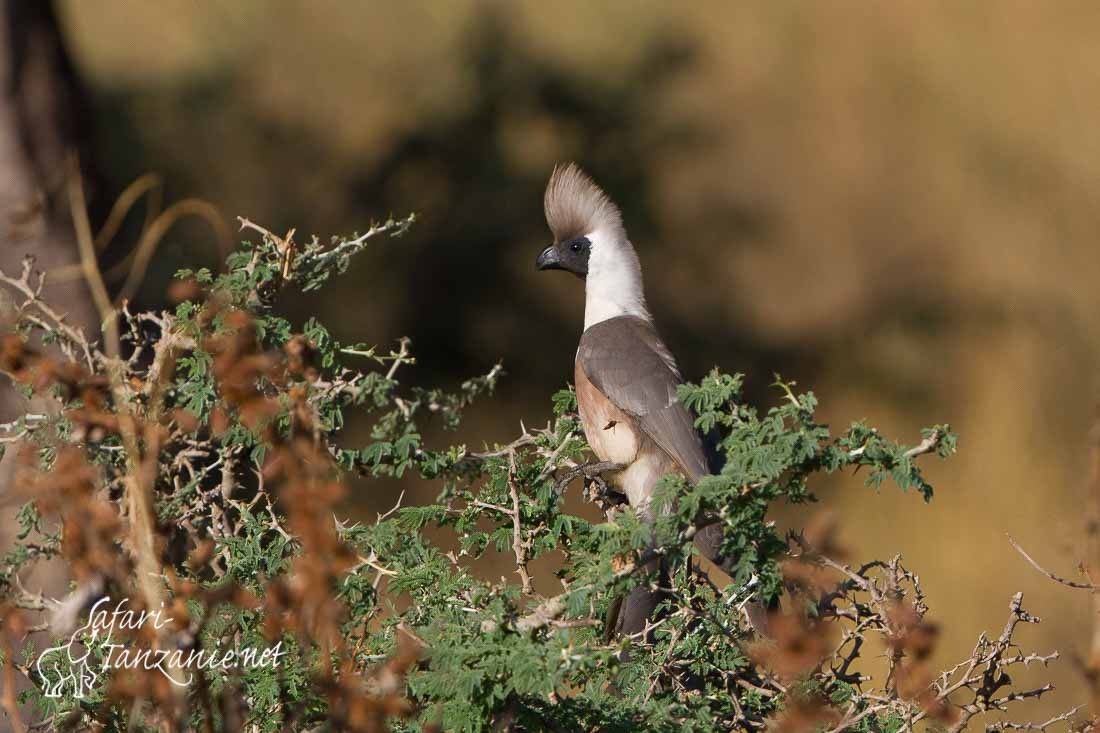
(625, 377)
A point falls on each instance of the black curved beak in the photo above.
(548, 259)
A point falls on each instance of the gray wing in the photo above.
(625, 359)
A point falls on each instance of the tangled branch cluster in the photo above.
(187, 465)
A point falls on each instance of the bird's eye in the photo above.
(575, 246)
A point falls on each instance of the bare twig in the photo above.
(519, 547)
(137, 262)
(1052, 576)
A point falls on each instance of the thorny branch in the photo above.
(124, 399)
(885, 600)
(519, 545)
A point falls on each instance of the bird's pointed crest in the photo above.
(576, 206)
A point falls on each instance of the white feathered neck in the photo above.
(613, 286)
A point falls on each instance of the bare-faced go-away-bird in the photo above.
(625, 376)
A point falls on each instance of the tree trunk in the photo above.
(45, 118)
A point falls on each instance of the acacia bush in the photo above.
(187, 463)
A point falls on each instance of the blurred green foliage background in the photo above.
(895, 204)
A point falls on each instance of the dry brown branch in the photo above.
(11, 626)
(74, 344)
(88, 263)
(150, 183)
(140, 474)
(927, 445)
(1052, 576)
(885, 599)
(1009, 725)
(519, 545)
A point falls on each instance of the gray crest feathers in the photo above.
(575, 205)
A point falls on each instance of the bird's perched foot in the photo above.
(593, 472)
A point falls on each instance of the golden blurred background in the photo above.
(896, 204)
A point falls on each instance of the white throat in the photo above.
(613, 286)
